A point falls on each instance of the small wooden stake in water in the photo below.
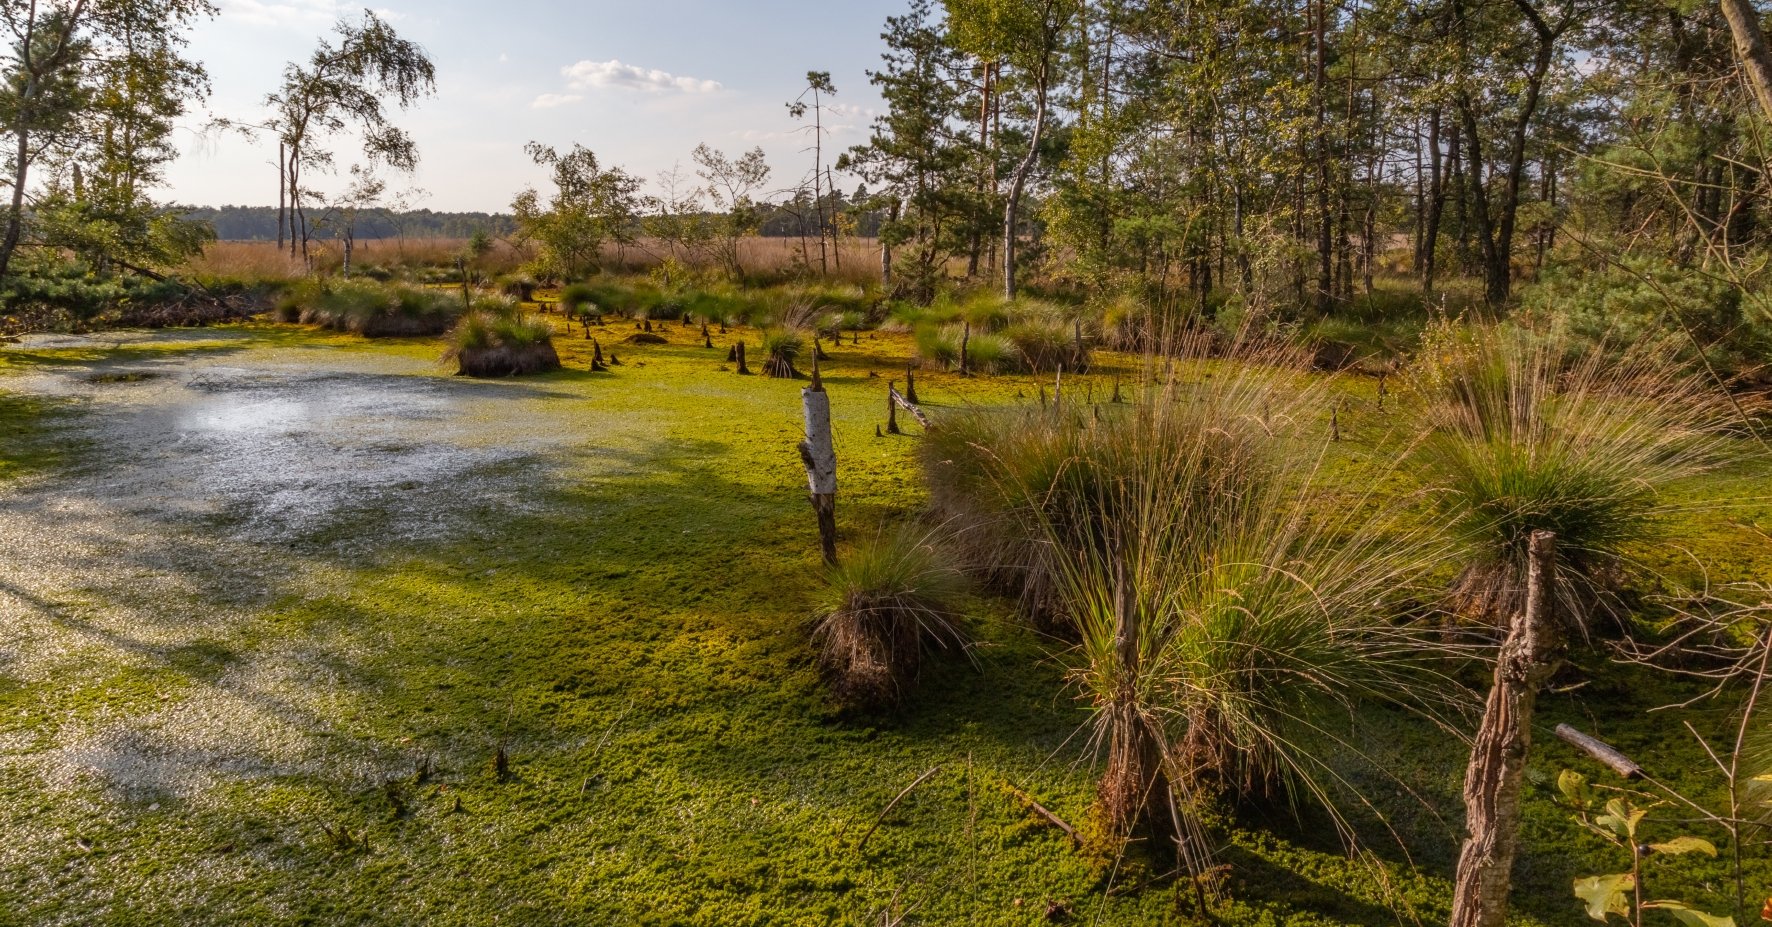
(818, 453)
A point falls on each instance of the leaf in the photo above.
(1680, 845)
(1573, 785)
(1621, 818)
(1606, 894)
(1691, 917)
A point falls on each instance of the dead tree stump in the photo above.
(892, 409)
(597, 363)
(1529, 657)
(739, 357)
(910, 383)
(818, 453)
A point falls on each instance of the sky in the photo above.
(639, 82)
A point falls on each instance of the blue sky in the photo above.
(640, 82)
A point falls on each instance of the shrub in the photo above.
(498, 344)
(576, 298)
(519, 286)
(1519, 438)
(1644, 298)
(884, 606)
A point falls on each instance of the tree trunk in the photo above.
(282, 195)
(1325, 220)
(1436, 202)
(15, 217)
(1018, 182)
(1750, 47)
(1492, 785)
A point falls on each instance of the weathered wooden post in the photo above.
(892, 409)
(1529, 657)
(742, 368)
(819, 454)
(910, 383)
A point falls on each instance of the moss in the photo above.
(632, 628)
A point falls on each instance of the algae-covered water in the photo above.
(273, 602)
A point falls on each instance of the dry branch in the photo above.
(894, 803)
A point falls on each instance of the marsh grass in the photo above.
(1046, 344)
(1520, 436)
(1228, 617)
(374, 310)
(890, 601)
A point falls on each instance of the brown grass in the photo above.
(859, 258)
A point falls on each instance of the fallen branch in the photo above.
(1033, 805)
(1600, 750)
(909, 406)
(894, 803)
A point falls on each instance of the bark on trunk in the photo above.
(1750, 47)
(1492, 786)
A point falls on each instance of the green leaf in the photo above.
(1621, 818)
(1691, 917)
(1680, 845)
(1573, 785)
(1607, 894)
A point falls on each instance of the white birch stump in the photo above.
(818, 452)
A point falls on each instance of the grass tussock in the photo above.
(1519, 437)
(1225, 612)
(889, 602)
(498, 341)
(780, 350)
(370, 309)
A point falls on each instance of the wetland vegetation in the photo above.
(1241, 433)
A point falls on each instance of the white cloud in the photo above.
(586, 75)
(551, 100)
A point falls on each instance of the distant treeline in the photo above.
(259, 223)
